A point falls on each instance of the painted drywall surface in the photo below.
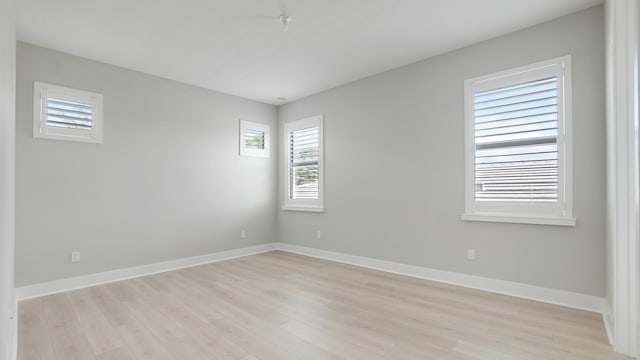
(394, 165)
(166, 183)
(7, 178)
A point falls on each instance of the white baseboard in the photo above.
(607, 317)
(57, 286)
(532, 292)
(552, 296)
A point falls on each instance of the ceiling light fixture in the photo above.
(285, 20)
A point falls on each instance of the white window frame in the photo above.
(250, 125)
(560, 213)
(304, 204)
(42, 91)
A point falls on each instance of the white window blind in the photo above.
(303, 144)
(516, 150)
(304, 150)
(62, 113)
(518, 145)
(69, 114)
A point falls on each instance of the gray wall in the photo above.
(166, 183)
(394, 165)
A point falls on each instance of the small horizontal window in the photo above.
(66, 114)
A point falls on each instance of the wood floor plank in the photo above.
(208, 338)
(162, 327)
(99, 332)
(186, 348)
(308, 351)
(142, 344)
(285, 306)
(35, 340)
(114, 310)
(67, 336)
(122, 353)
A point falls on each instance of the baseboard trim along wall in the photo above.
(57, 286)
(547, 295)
(532, 292)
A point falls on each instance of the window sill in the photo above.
(78, 138)
(558, 221)
(303, 208)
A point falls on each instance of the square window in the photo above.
(254, 139)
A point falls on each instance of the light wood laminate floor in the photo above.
(284, 306)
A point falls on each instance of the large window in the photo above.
(304, 170)
(518, 145)
(66, 114)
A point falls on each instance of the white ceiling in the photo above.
(239, 47)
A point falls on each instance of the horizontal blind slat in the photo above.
(68, 125)
(67, 104)
(543, 110)
(484, 100)
(511, 107)
(517, 121)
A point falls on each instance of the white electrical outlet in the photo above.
(75, 256)
(471, 254)
(318, 234)
(243, 234)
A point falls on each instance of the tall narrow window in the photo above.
(66, 114)
(518, 145)
(304, 170)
